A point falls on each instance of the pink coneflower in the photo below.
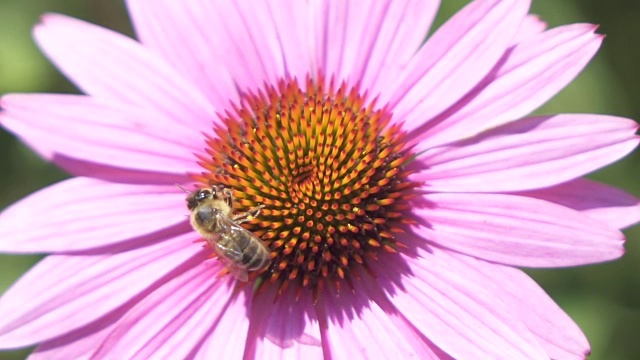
(401, 184)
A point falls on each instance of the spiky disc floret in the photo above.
(327, 167)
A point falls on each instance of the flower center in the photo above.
(328, 169)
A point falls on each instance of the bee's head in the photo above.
(195, 198)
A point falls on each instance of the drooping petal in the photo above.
(531, 73)
(178, 31)
(62, 293)
(102, 132)
(458, 315)
(285, 328)
(531, 153)
(369, 42)
(83, 213)
(364, 324)
(553, 328)
(598, 201)
(108, 65)
(450, 63)
(174, 320)
(517, 230)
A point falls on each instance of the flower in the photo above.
(402, 183)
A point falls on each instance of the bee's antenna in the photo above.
(183, 189)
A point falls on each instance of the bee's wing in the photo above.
(237, 272)
(228, 248)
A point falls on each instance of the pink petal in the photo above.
(369, 42)
(516, 230)
(84, 213)
(177, 30)
(459, 315)
(449, 65)
(228, 338)
(555, 331)
(62, 293)
(104, 132)
(290, 20)
(598, 201)
(285, 328)
(244, 33)
(528, 154)
(531, 73)
(172, 321)
(530, 27)
(78, 345)
(105, 64)
(249, 37)
(91, 169)
(358, 327)
(237, 37)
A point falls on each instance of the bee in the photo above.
(212, 217)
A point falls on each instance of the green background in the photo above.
(603, 299)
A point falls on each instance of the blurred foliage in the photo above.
(603, 299)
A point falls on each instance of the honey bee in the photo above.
(212, 216)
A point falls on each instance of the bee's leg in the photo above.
(246, 216)
(214, 191)
(228, 196)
